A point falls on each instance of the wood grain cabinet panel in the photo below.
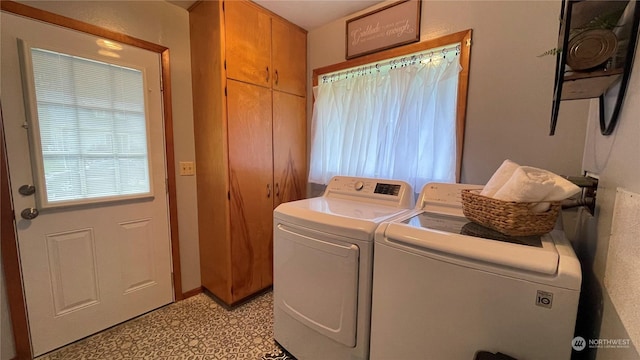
(289, 157)
(248, 43)
(289, 58)
(250, 172)
(250, 139)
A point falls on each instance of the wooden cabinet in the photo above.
(289, 58)
(250, 138)
(289, 157)
(250, 186)
(248, 43)
(264, 50)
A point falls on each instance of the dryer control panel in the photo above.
(377, 191)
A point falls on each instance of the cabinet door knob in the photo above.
(277, 185)
(268, 190)
(276, 77)
(267, 74)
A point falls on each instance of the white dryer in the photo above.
(445, 288)
(323, 252)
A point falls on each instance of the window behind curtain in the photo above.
(399, 119)
(92, 128)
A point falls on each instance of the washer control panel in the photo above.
(387, 189)
(372, 190)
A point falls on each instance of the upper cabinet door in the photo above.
(248, 43)
(289, 58)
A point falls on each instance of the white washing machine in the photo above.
(323, 252)
(445, 288)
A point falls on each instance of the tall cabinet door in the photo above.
(251, 189)
(248, 43)
(290, 156)
(289, 58)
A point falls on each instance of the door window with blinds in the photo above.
(88, 128)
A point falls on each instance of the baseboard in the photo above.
(192, 292)
(239, 302)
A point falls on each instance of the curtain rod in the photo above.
(400, 61)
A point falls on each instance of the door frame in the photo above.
(10, 257)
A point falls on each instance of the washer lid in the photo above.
(341, 217)
(447, 235)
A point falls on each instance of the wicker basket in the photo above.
(508, 217)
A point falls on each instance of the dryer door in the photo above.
(316, 281)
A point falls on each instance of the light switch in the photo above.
(187, 168)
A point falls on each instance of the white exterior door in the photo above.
(98, 253)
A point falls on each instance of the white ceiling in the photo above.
(308, 14)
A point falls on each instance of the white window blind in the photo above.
(92, 128)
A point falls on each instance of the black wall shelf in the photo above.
(597, 42)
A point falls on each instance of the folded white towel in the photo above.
(563, 189)
(539, 207)
(529, 184)
(499, 178)
(526, 185)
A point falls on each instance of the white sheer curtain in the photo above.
(395, 124)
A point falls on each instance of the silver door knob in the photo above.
(27, 190)
(29, 213)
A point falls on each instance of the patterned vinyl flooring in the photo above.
(195, 329)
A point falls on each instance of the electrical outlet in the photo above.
(187, 168)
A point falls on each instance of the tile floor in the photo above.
(195, 328)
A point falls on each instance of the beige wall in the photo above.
(510, 88)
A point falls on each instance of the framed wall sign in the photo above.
(393, 25)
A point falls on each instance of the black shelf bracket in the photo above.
(579, 17)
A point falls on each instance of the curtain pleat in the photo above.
(399, 124)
